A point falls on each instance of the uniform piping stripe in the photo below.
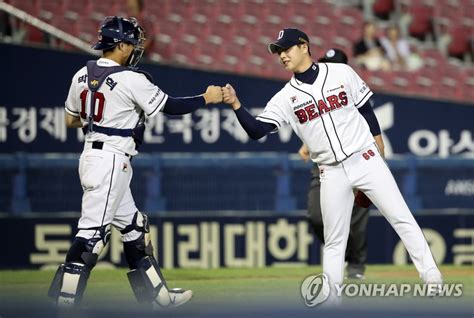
(365, 96)
(108, 193)
(71, 111)
(337, 136)
(270, 119)
(324, 125)
(159, 104)
(330, 117)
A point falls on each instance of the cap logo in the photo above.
(330, 53)
(280, 34)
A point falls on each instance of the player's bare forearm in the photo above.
(73, 121)
(380, 145)
(213, 95)
(230, 97)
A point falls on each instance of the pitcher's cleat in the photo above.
(434, 289)
(354, 276)
(434, 283)
(178, 297)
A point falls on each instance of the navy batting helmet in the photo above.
(114, 30)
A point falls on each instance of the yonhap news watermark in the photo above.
(315, 290)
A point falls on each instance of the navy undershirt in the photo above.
(308, 76)
(368, 112)
(257, 129)
(183, 105)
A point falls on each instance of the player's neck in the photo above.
(308, 76)
(305, 65)
(114, 57)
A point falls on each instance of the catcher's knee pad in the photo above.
(87, 251)
(69, 284)
(147, 282)
(136, 240)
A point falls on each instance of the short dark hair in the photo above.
(108, 50)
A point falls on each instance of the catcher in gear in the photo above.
(110, 99)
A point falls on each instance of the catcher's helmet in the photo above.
(114, 30)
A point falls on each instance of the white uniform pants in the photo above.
(105, 178)
(367, 171)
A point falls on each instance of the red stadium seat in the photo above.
(224, 26)
(33, 7)
(102, 9)
(468, 91)
(451, 88)
(383, 8)
(421, 23)
(232, 35)
(34, 35)
(161, 9)
(213, 48)
(81, 8)
(282, 9)
(460, 41)
(67, 25)
(234, 9)
(55, 7)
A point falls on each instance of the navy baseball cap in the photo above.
(334, 56)
(287, 38)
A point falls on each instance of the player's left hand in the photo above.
(213, 95)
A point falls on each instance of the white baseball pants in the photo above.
(366, 170)
(105, 178)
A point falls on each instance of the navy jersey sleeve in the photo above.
(256, 129)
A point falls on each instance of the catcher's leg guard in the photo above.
(148, 283)
(69, 284)
(145, 277)
(70, 280)
(149, 286)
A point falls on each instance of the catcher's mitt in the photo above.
(362, 200)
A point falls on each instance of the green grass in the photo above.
(280, 286)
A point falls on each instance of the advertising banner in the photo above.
(233, 241)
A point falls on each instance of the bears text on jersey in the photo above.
(311, 112)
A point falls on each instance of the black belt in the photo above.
(100, 144)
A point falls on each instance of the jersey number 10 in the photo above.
(99, 100)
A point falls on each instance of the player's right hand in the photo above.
(213, 95)
(304, 152)
(230, 96)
